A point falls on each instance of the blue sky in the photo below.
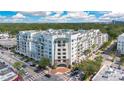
(58, 16)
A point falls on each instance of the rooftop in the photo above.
(8, 43)
(6, 72)
(60, 31)
(110, 73)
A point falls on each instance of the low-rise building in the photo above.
(7, 73)
(63, 46)
(120, 44)
(4, 35)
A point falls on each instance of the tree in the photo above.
(18, 65)
(93, 46)
(90, 67)
(122, 60)
(112, 29)
(104, 46)
(44, 62)
(99, 59)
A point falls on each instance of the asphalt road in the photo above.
(11, 59)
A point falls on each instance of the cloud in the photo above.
(112, 16)
(18, 16)
(36, 13)
(2, 17)
(62, 16)
(77, 15)
(71, 16)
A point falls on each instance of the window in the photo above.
(63, 44)
(64, 56)
(41, 47)
(64, 53)
(59, 41)
(63, 41)
(59, 49)
(64, 49)
(64, 60)
(59, 45)
(59, 53)
(49, 52)
(59, 57)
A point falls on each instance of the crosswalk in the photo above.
(35, 77)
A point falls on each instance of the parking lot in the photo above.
(110, 73)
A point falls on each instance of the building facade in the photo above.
(120, 44)
(63, 46)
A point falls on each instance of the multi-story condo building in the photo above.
(63, 46)
(120, 44)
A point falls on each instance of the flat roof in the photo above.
(8, 42)
(109, 74)
(6, 72)
(59, 31)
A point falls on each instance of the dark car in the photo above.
(38, 70)
(74, 73)
(33, 65)
(105, 76)
(47, 75)
(24, 66)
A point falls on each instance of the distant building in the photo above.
(8, 43)
(117, 22)
(4, 35)
(63, 46)
(7, 73)
(120, 44)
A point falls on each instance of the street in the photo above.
(11, 59)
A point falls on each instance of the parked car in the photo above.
(105, 76)
(38, 70)
(33, 65)
(24, 66)
(47, 75)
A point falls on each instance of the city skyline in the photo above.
(59, 16)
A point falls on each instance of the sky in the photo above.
(59, 16)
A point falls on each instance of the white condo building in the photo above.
(120, 44)
(63, 46)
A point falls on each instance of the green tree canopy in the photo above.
(44, 62)
(18, 65)
(90, 67)
(112, 29)
(122, 60)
